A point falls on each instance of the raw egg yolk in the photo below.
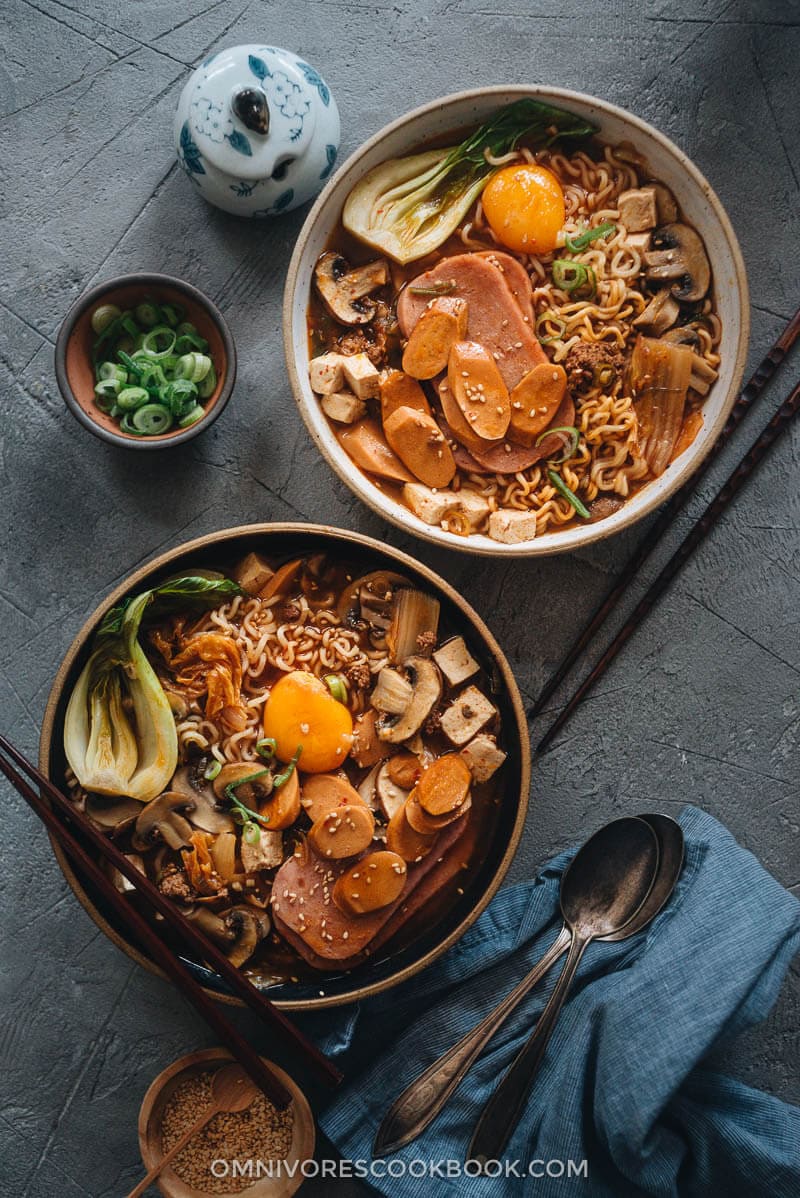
(524, 206)
(301, 711)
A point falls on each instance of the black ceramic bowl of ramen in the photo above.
(323, 566)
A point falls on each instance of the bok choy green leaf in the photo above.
(119, 730)
(406, 207)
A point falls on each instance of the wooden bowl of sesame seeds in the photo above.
(258, 1152)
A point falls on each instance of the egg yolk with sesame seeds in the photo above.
(524, 205)
(302, 713)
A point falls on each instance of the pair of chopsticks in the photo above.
(758, 450)
(50, 801)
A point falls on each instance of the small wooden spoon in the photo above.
(231, 1090)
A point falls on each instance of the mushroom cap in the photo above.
(202, 810)
(161, 818)
(426, 692)
(344, 291)
(680, 256)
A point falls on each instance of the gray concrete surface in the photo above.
(703, 706)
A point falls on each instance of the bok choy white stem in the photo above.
(406, 207)
(119, 730)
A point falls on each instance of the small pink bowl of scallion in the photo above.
(145, 361)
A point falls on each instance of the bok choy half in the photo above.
(119, 730)
(407, 207)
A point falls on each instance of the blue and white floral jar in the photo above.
(257, 130)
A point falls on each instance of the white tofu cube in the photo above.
(430, 506)
(325, 373)
(512, 527)
(472, 505)
(253, 573)
(455, 661)
(267, 853)
(637, 209)
(466, 715)
(343, 407)
(483, 757)
(639, 241)
(361, 376)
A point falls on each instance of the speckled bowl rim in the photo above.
(341, 537)
(144, 279)
(646, 500)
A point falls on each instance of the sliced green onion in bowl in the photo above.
(337, 686)
(574, 278)
(570, 447)
(193, 366)
(212, 770)
(209, 384)
(549, 318)
(192, 416)
(172, 314)
(158, 343)
(147, 314)
(580, 242)
(152, 419)
(132, 398)
(104, 316)
(106, 391)
(568, 494)
(267, 747)
(110, 370)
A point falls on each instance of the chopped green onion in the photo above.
(549, 318)
(209, 384)
(576, 244)
(151, 341)
(280, 779)
(132, 398)
(186, 332)
(251, 832)
(232, 787)
(129, 325)
(444, 288)
(106, 392)
(192, 416)
(171, 314)
(110, 370)
(212, 770)
(152, 419)
(337, 686)
(574, 277)
(178, 396)
(571, 448)
(193, 366)
(266, 747)
(147, 314)
(569, 495)
(103, 316)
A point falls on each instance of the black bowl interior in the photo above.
(387, 962)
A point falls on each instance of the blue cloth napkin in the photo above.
(620, 1088)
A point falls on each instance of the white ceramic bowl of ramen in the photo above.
(453, 117)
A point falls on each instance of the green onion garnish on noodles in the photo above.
(576, 244)
(568, 494)
(550, 319)
(575, 278)
(570, 448)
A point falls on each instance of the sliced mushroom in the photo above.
(202, 810)
(392, 797)
(212, 924)
(679, 258)
(426, 684)
(249, 925)
(659, 315)
(344, 291)
(113, 812)
(237, 773)
(367, 789)
(392, 693)
(685, 334)
(161, 820)
(121, 883)
(370, 598)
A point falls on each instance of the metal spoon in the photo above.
(231, 1090)
(425, 1097)
(598, 899)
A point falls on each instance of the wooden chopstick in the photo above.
(238, 982)
(138, 925)
(730, 488)
(762, 375)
